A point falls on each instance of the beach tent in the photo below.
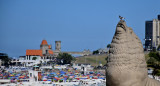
(49, 80)
(57, 78)
(54, 73)
(101, 78)
(62, 72)
(91, 72)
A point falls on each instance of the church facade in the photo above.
(45, 52)
(37, 56)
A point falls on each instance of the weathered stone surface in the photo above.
(126, 61)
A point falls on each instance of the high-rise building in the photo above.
(158, 17)
(152, 34)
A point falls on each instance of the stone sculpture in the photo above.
(126, 64)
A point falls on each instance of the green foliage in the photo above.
(95, 52)
(74, 59)
(109, 46)
(154, 49)
(92, 59)
(52, 66)
(154, 62)
(5, 59)
(65, 57)
(155, 55)
(34, 58)
(40, 64)
(106, 58)
(158, 48)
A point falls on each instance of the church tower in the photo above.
(58, 46)
(44, 47)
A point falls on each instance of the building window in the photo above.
(46, 51)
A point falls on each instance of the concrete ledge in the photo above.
(4, 81)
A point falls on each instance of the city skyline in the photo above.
(78, 25)
(152, 32)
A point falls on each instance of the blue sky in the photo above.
(79, 24)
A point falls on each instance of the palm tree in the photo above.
(153, 62)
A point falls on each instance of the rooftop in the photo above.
(34, 52)
(44, 42)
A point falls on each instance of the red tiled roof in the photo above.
(49, 46)
(50, 51)
(44, 42)
(34, 52)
